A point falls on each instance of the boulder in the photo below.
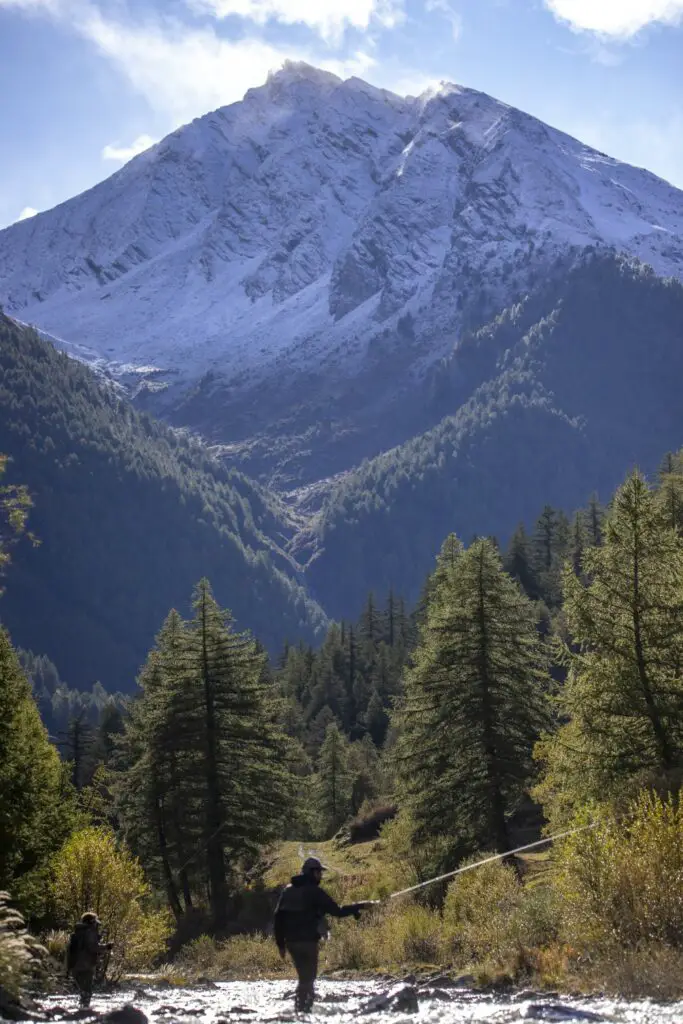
(560, 1012)
(402, 999)
(127, 1014)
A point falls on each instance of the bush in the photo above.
(20, 955)
(622, 882)
(244, 956)
(411, 861)
(92, 873)
(491, 918)
(413, 935)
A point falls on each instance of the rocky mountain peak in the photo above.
(297, 232)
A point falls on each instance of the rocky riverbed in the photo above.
(268, 1002)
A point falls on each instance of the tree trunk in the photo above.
(498, 823)
(661, 739)
(171, 890)
(214, 817)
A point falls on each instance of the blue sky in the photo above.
(84, 84)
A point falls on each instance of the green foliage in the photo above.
(624, 692)
(131, 514)
(19, 952)
(621, 883)
(352, 679)
(474, 703)
(491, 917)
(94, 872)
(37, 809)
(208, 782)
(14, 505)
(544, 404)
(333, 782)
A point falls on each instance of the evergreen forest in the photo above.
(532, 686)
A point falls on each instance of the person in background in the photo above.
(84, 950)
(300, 924)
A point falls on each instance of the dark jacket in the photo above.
(301, 910)
(84, 948)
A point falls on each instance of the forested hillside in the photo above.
(128, 515)
(555, 399)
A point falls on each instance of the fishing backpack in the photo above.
(74, 948)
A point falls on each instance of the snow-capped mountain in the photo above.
(296, 229)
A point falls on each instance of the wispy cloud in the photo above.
(122, 154)
(452, 16)
(34, 6)
(27, 212)
(328, 18)
(620, 19)
(182, 70)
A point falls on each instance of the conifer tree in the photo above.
(36, 808)
(671, 490)
(594, 517)
(205, 739)
(474, 703)
(333, 783)
(624, 692)
(549, 549)
(577, 543)
(518, 562)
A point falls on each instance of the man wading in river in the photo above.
(82, 955)
(300, 925)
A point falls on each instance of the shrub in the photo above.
(413, 935)
(20, 955)
(92, 873)
(478, 910)
(622, 882)
(491, 918)
(245, 956)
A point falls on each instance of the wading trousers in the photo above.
(305, 958)
(84, 980)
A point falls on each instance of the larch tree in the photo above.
(37, 809)
(624, 691)
(474, 703)
(206, 741)
(333, 782)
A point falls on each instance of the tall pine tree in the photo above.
(205, 740)
(474, 703)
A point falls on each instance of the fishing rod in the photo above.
(490, 860)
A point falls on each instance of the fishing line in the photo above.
(489, 860)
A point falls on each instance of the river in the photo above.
(268, 1002)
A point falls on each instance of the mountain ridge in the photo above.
(323, 242)
(129, 515)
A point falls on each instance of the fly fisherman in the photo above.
(300, 925)
(83, 953)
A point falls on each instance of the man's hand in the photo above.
(364, 905)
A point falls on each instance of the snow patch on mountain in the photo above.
(290, 227)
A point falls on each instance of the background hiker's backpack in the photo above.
(74, 948)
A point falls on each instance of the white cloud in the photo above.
(453, 18)
(621, 19)
(38, 6)
(183, 72)
(329, 18)
(122, 154)
(27, 212)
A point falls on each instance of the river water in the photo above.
(339, 1002)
